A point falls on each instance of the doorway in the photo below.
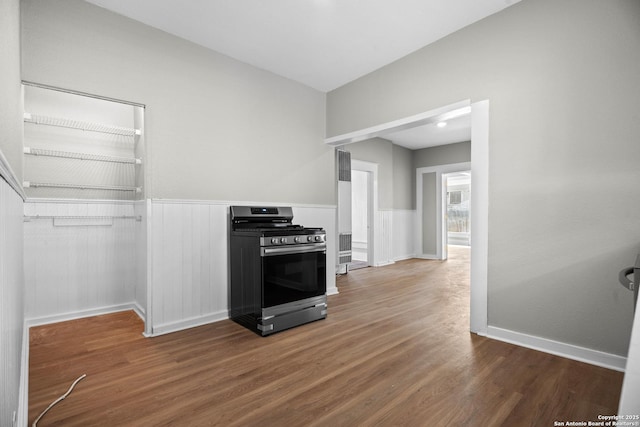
(359, 219)
(364, 204)
(457, 226)
(479, 190)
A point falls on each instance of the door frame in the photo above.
(441, 206)
(445, 208)
(372, 204)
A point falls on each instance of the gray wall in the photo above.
(396, 185)
(11, 276)
(404, 178)
(215, 128)
(562, 81)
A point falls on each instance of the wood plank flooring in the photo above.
(394, 351)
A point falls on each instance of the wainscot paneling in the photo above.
(13, 348)
(189, 262)
(79, 260)
(383, 241)
(403, 234)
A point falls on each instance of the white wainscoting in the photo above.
(189, 262)
(404, 234)
(79, 267)
(383, 240)
(14, 338)
(394, 236)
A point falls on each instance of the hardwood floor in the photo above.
(394, 350)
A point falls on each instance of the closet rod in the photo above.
(29, 184)
(81, 156)
(96, 217)
(80, 125)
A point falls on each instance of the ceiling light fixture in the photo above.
(441, 124)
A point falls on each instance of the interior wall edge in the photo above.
(7, 173)
(13, 377)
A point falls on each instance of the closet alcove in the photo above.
(84, 217)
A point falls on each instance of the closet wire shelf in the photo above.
(81, 156)
(80, 125)
(87, 217)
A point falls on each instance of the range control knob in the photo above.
(296, 239)
(283, 240)
(274, 241)
(309, 238)
(318, 238)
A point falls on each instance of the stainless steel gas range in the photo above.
(277, 270)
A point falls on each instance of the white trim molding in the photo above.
(440, 205)
(570, 351)
(374, 235)
(183, 324)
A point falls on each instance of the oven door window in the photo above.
(292, 277)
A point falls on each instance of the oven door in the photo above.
(293, 273)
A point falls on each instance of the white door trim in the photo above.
(372, 208)
(479, 319)
(439, 170)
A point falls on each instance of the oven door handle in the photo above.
(289, 250)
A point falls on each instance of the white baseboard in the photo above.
(383, 263)
(45, 320)
(141, 312)
(428, 256)
(169, 327)
(570, 351)
(403, 257)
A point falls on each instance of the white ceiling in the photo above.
(430, 135)
(323, 44)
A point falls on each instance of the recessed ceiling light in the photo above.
(441, 124)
